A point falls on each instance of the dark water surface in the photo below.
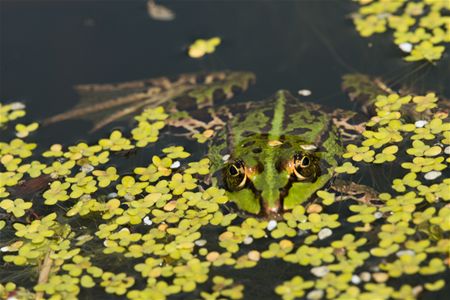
(47, 47)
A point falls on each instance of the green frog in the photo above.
(276, 153)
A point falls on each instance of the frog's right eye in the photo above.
(305, 167)
(235, 177)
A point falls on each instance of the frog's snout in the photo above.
(273, 208)
(274, 211)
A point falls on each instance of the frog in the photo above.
(277, 152)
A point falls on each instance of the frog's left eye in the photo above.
(304, 167)
(233, 170)
(235, 177)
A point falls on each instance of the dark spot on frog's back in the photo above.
(286, 145)
(268, 113)
(316, 112)
(324, 165)
(246, 144)
(247, 133)
(299, 131)
(257, 150)
(337, 158)
(219, 141)
(266, 128)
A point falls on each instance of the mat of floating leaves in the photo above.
(421, 29)
(142, 234)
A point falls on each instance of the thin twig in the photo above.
(44, 273)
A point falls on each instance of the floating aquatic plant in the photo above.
(224, 287)
(347, 167)
(16, 207)
(295, 288)
(10, 112)
(153, 221)
(421, 29)
(201, 47)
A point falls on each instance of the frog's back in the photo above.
(279, 117)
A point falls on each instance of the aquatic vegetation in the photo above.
(16, 207)
(421, 29)
(347, 167)
(10, 112)
(160, 228)
(295, 288)
(201, 47)
(23, 131)
(116, 283)
(224, 287)
(359, 153)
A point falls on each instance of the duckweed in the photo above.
(347, 167)
(172, 232)
(16, 207)
(420, 29)
(10, 112)
(223, 287)
(294, 288)
(116, 283)
(23, 130)
(201, 47)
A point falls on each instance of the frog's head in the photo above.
(260, 176)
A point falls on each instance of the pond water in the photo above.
(48, 47)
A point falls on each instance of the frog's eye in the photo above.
(304, 162)
(235, 177)
(233, 170)
(303, 167)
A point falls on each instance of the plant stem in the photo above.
(44, 273)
